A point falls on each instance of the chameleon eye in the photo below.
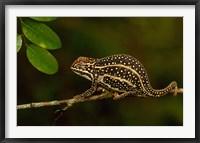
(82, 64)
(82, 61)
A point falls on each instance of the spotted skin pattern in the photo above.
(122, 75)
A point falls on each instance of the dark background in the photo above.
(156, 42)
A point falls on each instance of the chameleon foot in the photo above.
(120, 96)
(116, 96)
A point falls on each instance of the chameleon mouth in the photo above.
(77, 71)
(74, 69)
(82, 73)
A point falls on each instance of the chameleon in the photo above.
(121, 75)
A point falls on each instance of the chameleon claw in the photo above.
(100, 89)
(117, 96)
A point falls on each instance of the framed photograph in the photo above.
(100, 71)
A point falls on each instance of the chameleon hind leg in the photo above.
(136, 93)
(117, 96)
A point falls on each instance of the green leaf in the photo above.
(42, 59)
(45, 19)
(19, 42)
(40, 34)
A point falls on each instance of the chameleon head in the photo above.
(84, 67)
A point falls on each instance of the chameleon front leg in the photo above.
(88, 92)
(85, 94)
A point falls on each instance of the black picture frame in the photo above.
(99, 2)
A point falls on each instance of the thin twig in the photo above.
(66, 102)
(70, 102)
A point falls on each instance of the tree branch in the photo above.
(67, 102)
(70, 102)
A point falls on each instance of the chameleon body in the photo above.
(122, 75)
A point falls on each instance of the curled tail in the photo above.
(171, 88)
